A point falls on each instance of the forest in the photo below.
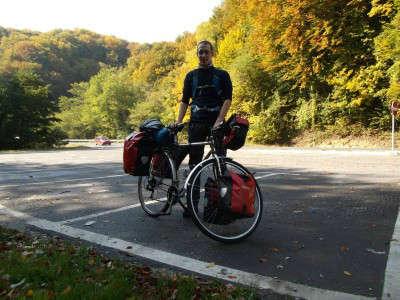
(296, 66)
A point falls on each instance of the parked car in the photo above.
(102, 141)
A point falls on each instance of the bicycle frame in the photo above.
(175, 182)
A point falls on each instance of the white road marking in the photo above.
(53, 170)
(107, 212)
(59, 181)
(273, 174)
(391, 286)
(187, 263)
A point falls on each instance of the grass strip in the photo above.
(42, 267)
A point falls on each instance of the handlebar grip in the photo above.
(180, 126)
(175, 128)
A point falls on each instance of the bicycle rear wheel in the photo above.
(228, 230)
(157, 191)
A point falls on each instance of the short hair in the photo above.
(205, 42)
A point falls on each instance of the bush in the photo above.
(273, 125)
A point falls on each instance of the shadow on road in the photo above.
(325, 230)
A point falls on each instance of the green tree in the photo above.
(101, 106)
(26, 113)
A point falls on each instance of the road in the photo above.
(327, 232)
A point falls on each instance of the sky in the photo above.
(133, 20)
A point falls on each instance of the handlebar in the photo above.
(175, 128)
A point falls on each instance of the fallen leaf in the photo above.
(6, 277)
(224, 271)
(26, 253)
(90, 223)
(29, 293)
(375, 252)
(210, 265)
(66, 290)
(275, 249)
(15, 285)
(39, 252)
(174, 293)
(231, 277)
(9, 295)
(145, 271)
(347, 273)
(50, 294)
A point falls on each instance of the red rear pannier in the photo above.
(235, 137)
(136, 155)
(160, 166)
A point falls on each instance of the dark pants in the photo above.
(198, 132)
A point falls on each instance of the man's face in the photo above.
(204, 54)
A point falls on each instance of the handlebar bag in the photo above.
(237, 128)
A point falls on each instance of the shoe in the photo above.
(186, 214)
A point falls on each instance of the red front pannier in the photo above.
(242, 195)
(232, 198)
(136, 155)
(235, 137)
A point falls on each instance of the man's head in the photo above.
(205, 52)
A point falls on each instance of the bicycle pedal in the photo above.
(176, 200)
(181, 195)
(165, 214)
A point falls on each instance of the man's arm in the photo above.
(222, 113)
(227, 94)
(182, 111)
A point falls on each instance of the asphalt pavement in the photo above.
(328, 230)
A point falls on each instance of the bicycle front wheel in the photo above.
(157, 191)
(211, 223)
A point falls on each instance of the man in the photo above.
(210, 89)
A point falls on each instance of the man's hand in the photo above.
(222, 113)
(217, 123)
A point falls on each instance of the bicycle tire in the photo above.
(196, 215)
(159, 184)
